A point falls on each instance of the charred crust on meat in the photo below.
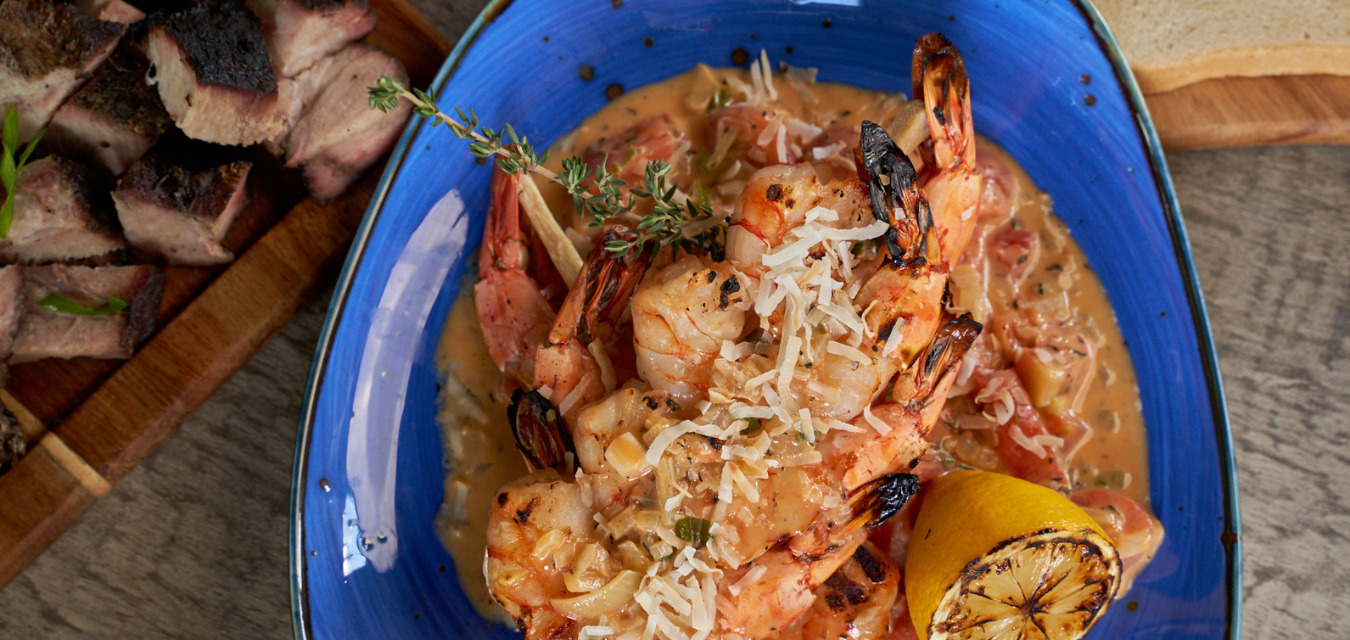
(197, 189)
(327, 5)
(143, 307)
(118, 92)
(223, 44)
(40, 36)
(12, 446)
(502, 498)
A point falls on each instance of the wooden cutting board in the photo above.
(89, 422)
(1239, 112)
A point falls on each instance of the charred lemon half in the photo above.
(993, 557)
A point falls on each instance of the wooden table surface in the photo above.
(193, 543)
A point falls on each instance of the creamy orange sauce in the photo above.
(1115, 456)
(480, 452)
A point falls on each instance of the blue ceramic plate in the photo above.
(1048, 85)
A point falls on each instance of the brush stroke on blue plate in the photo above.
(366, 561)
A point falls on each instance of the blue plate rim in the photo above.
(300, 612)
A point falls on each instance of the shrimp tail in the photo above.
(923, 388)
(540, 434)
(877, 501)
(896, 200)
(939, 76)
(605, 283)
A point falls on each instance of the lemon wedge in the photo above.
(994, 557)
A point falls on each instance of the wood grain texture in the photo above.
(192, 542)
(42, 497)
(110, 415)
(1239, 112)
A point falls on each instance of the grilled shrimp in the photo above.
(855, 602)
(512, 309)
(681, 316)
(540, 525)
(954, 184)
(770, 592)
(627, 153)
(900, 297)
(895, 434)
(578, 361)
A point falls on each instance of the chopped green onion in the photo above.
(60, 304)
(693, 530)
(9, 166)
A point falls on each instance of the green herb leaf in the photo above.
(28, 150)
(11, 137)
(754, 426)
(60, 304)
(693, 530)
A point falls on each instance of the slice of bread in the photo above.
(1171, 43)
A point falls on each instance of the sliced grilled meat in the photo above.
(11, 312)
(45, 333)
(61, 214)
(338, 136)
(118, 11)
(179, 211)
(213, 72)
(111, 10)
(47, 50)
(114, 119)
(301, 32)
(12, 446)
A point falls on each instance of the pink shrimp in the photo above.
(953, 185)
(587, 327)
(512, 308)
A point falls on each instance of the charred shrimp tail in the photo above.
(540, 434)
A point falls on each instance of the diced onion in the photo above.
(615, 595)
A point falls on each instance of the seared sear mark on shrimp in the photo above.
(730, 288)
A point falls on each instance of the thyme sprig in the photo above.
(10, 166)
(600, 201)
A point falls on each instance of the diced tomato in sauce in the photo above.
(1024, 441)
(1136, 534)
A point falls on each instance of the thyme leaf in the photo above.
(597, 194)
